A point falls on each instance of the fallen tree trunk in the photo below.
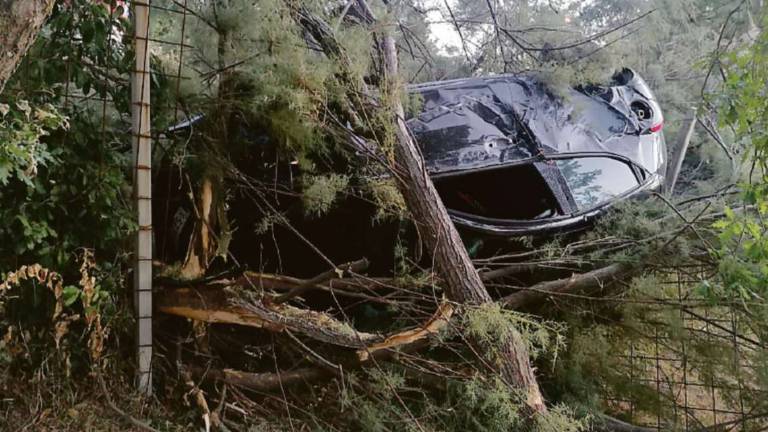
(462, 281)
(681, 147)
(21, 21)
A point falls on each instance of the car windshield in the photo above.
(595, 180)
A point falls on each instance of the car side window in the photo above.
(595, 180)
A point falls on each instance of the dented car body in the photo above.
(510, 158)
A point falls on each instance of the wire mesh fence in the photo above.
(690, 394)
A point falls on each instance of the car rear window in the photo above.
(594, 180)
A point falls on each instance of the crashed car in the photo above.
(510, 158)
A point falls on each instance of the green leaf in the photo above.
(71, 294)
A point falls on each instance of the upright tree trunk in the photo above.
(462, 281)
(20, 21)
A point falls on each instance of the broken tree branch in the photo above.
(406, 340)
(437, 322)
(218, 304)
(463, 284)
(199, 397)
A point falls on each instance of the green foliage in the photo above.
(390, 203)
(21, 152)
(321, 191)
(65, 185)
(742, 248)
(491, 325)
(77, 197)
(385, 399)
(485, 405)
(561, 418)
(71, 203)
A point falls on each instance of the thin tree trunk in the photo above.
(462, 282)
(20, 21)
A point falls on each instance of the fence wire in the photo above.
(690, 397)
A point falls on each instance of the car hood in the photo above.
(477, 123)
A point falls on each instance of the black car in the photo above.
(508, 157)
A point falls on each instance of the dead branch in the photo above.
(498, 36)
(575, 284)
(458, 31)
(199, 397)
(129, 418)
(347, 287)
(220, 304)
(262, 381)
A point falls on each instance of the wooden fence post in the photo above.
(142, 177)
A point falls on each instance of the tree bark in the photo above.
(462, 281)
(20, 21)
(578, 283)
